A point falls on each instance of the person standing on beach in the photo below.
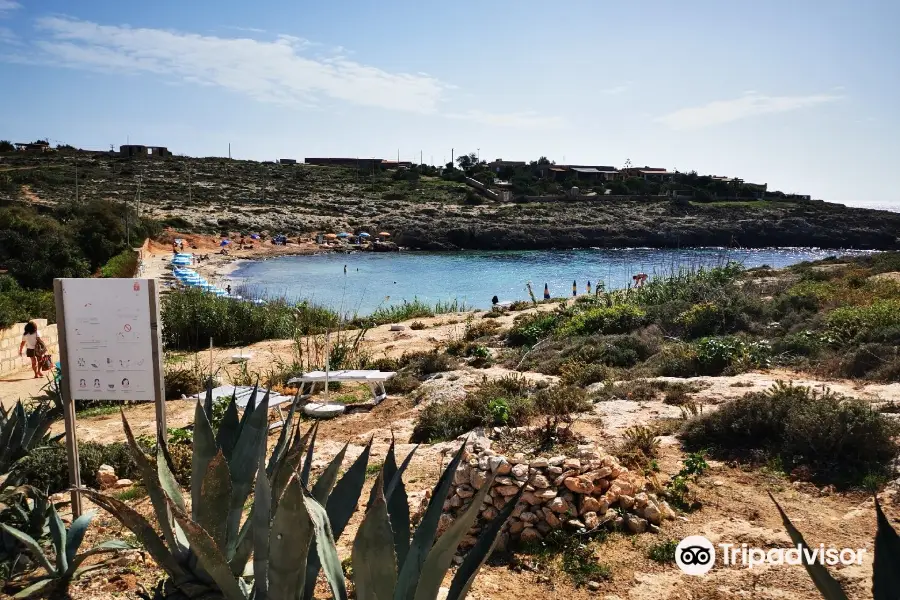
(574, 288)
(31, 338)
(345, 269)
(589, 288)
(546, 292)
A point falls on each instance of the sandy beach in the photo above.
(218, 266)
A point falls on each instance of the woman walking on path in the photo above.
(32, 339)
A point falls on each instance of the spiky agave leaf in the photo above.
(142, 530)
(423, 539)
(243, 464)
(441, 554)
(289, 541)
(325, 548)
(374, 560)
(341, 504)
(154, 489)
(824, 582)
(886, 570)
(480, 552)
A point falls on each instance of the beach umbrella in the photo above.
(224, 242)
(383, 234)
(343, 234)
(254, 236)
(364, 234)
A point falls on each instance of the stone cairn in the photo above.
(577, 493)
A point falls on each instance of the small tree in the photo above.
(6, 146)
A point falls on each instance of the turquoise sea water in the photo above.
(379, 279)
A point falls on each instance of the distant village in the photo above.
(501, 179)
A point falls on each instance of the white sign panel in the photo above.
(108, 338)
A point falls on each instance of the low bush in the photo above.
(620, 318)
(839, 440)
(401, 383)
(510, 400)
(717, 355)
(675, 360)
(639, 446)
(191, 317)
(122, 265)
(47, 468)
(18, 305)
(577, 372)
(701, 320)
(529, 329)
(428, 363)
(849, 321)
(183, 380)
(475, 331)
(417, 325)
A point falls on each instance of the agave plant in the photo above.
(65, 563)
(27, 509)
(22, 430)
(885, 571)
(290, 529)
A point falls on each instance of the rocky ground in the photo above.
(430, 213)
(734, 502)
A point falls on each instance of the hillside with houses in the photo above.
(466, 204)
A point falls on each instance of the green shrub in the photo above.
(122, 265)
(20, 306)
(701, 320)
(805, 343)
(620, 318)
(850, 321)
(417, 325)
(191, 317)
(839, 439)
(529, 329)
(428, 363)
(183, 381)
(581, 373)
(663, 552)
(676, 360)
(715, 355)
(401, 383)
(475, 331)
(504, 401)
(47, 468)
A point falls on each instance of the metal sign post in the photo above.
(110, 349)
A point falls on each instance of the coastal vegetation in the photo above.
(833, 319)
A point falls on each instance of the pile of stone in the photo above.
(588, 491)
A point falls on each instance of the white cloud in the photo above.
(8, 6)
(617, 89)
(751, 104)
(524, 119)
(8, 36)
(280, 70)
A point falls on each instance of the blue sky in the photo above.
(800, 94)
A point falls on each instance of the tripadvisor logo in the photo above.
(696, 555)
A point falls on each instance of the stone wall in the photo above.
(582, 492)
(9, 345)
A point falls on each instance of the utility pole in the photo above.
(479, 154)
(229, 150)
(190, 193)
(452, 156)
(420, 157)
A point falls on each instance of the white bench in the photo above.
(374, 379)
